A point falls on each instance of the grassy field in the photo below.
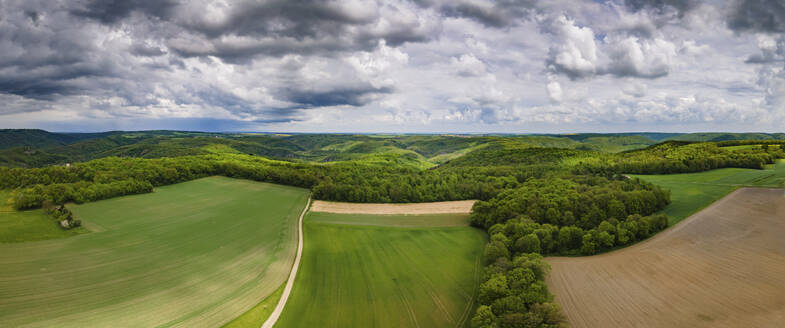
(32, 225)
(259, 313)
(382, 275)
(691, 192)
(195, 254)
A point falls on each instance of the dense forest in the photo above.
(538, 195)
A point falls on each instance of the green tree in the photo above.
(553, 216)
(528, 244)
(495, 250)
(484, 317)
(616, 209)
(494, 288)
(589, 245)
(605, 239)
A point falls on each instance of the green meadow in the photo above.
(194, 254)
(30, 225)
(691, 192)
(374, 273)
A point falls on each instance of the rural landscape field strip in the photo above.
(292, 275)
(379, 271)
(390, 220)
(722, 267)
(195, 254)
(449, 207)
(691, 192)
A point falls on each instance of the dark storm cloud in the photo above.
(282, 27)
(53, 49)
(42, 56)
(244, 53)
(113, 11)
(758, 16)
(352, 96)
(501, 13)
(141, 49)
(283, 18)
(661, 6)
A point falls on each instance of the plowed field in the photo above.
(722, 267)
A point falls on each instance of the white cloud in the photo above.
(632, 56)
(554, 91)
(468, 65)
(574, 52)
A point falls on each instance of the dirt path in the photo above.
(460, 206)
(273, 318)
(722, 267)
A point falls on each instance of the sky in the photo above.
(419, 66)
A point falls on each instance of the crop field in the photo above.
(380, 274)
(723, 267)
(412, 221)
(194, 254)
(691, 192)
(458, 206)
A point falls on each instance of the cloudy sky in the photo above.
(522, 66)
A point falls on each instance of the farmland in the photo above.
(199, 253)
(460, 207)
(30, 225)
(722, 267)
(691, 192)
(535, 196)
(380, 274)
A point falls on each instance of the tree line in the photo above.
(346, 181)
(676, 157)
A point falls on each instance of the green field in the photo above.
(691, 192)
(259, 313)
(195, 254)
(32, 225)
(384, 276)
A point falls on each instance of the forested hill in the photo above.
(34, 138)
(38, 148)
(721, 136)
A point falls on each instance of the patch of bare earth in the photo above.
(722, 267)
(453, 207)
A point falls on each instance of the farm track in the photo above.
(273, 318)
(722, 267)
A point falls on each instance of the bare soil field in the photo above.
(453, 207)
(722, 267)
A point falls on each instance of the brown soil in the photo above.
(461, 206)
(722, 267)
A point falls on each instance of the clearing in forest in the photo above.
(369, 271)
(194, 254)
(29, 225)
(722, 267)
(451, 207)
